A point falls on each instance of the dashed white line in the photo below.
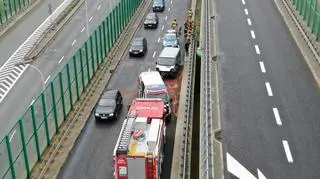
(243, 2)
(47, 79)
(246, 11)
(83, 29)
(61, 59)
(249, 21)
(154, 54)
(98, 7)
(73, 42)
(166, 18)
(277, 116)
(162, 27)
(252, 34)
(158, 39)
(263, 69)
(256, 47)
(269, 90)
(90, 18)
(11, 137)
(171, 2)
(287, 151)
(169, 9)
(32, 102)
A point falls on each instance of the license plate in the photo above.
(149, 25)
(104, 117)
(135, 52)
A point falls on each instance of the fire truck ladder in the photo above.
(122, 148)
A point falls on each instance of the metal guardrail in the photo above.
(206, 120)
(9, 71)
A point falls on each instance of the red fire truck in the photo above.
(138, 153)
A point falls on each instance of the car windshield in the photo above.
(170, 37)
(137, 44)
(163, 96)
(158, 2)
(150, 17)
(107, 103)
(166, 61)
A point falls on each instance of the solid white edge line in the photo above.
(252, 34)
(47, 79)
(61, 59)
(249, 21)
(83, 29)
(154, 54)
(166, 18)
(277, 116)
(162, 27)
(169, 9)
(98, 7)
(269, 90)
(73, 42)
(243, 2)
(90, 18)
(246, 11)
(256, 47)
(287, 151)
(11, 137)
(263, 68)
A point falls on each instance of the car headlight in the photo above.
(111, 114)
(130, 50)
(97, 114)
(140, 50)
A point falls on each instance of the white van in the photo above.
(168, 62)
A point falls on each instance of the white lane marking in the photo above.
(61, 59)
(162, 27)
(98, 7)
(32, 102)
(269, 90)
(243, 2)
(166, 18)
(277, 116)
(237, 169)
(171, 2)
(263, 69)
(169, 9)
(158, 39)
(252, 34)
(257, 49)
(47, 79)
(249, 21)
(287, 151)
(90, 18)
(261, 175)
(73, 42)
(154, 54)
(83, 29)
(11, 137)
(246, 11)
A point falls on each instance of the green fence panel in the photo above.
(15, 141)
(24, 149)
(4, 158)
(98, 47)
(10, 157)
(48, 94)
(28, 125)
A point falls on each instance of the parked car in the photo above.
(158, 6)
(109, 105)
(138, 47)
(170, 40)
(151, 21)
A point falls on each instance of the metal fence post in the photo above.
(55, 115)
(109, 33)
(15, 6)
(309, 13)
(76, 76)
(19, 4)
(318, 28)
(35, 131)
(102, 46)
(13, 172)
(24, 148)
(5, 6)
(104, 39)
(92, 56)
(10, 8)
(45, 117)
(97, 47)
(82, 71)
(62, 97)
(69, 86)
(87, 61)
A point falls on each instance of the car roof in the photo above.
(151, 14)
(138, 39)
(169, 52)
(110, 94)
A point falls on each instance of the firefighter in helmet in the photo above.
(190, 13)
(174, 24)
(186, 25)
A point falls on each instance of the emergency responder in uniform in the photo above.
(190, 13)
(186, 26)
(174, 24)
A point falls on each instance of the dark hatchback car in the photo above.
(138, 47)
(158, 6)
(151, 21)
(109, 105)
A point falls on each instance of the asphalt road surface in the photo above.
(269, 99)
(92, 156)
(10, 41)
(58, 53)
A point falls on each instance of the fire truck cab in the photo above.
(138, 153)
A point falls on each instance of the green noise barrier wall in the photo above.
(25, 143)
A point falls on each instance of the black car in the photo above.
(158, 6)
(138, 47)
(151, 21)
(109, 105)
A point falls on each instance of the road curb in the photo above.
(62, 145)
(12, 23)
(54, 30)
(305, 40)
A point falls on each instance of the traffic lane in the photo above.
(30, 86)
(296, 90)
(249, 131)
(22, 30)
